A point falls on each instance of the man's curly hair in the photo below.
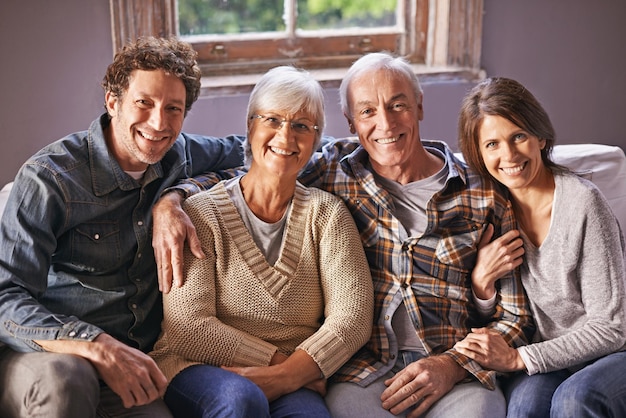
(150, 53)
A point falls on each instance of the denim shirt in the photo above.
(76, 255)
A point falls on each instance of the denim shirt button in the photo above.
(139, 255)
(97, 236)
(140, 223)
(72, 334)
(83, 335)
(134, 306)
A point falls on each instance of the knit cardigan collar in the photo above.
(273, 277)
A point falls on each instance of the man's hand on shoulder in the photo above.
(171, 227)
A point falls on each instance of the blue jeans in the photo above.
(204, 391)
(597, 390)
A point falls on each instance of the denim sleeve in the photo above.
(27, 245)
(207, 153)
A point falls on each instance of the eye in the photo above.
(399, 107)
(490, 144)
(142, 103)
(272, 122)
(520, 136)
(300, 127)
(366, 113)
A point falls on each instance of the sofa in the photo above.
(604, 165)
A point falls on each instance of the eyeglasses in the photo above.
(276, 123)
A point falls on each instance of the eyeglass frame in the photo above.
(265, 118)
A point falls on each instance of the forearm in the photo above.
(298, 370)
(24, 321)
(513, 319)
(91, 350)
(202, 182)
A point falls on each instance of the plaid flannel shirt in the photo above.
(431, 274)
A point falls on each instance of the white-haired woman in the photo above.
(284, 295)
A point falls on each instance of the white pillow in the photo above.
(4, 195)
(605, 165)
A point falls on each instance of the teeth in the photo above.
(513, 170)
(281, 151)
(386, 140)
(149, 137)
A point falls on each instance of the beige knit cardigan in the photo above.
(236, 310)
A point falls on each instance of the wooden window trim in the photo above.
(450, 49)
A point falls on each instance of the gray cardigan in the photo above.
(575, 281)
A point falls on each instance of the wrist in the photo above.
(485, 292)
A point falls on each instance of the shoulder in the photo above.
(581, 195)
(573, 185)
(63, 152)
(340, 147)
(320, 197)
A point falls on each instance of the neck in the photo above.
(422, 165)
(533, 208)
(267, 197)
(534, 195)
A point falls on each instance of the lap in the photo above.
(602, 384)
(209, 391)
(60, 385)
(464, 400)
(51, 384)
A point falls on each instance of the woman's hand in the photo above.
(284, 375)
(487, 347)
(494, 260)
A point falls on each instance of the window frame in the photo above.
(448, 49)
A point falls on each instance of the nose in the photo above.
(508, 151)
(285, 130)
(157, 120)
(385, 120)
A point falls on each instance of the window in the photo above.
(440, 37)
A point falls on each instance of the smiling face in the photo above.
(385, 114)
(146, 120)
(281, 151)
(511, 155)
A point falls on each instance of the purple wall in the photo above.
(570, 53)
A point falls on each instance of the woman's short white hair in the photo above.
(290, 90)
(377, 61)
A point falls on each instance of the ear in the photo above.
(111, 101)
(350, 124)
(420, 108)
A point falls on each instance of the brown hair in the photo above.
(149, 53)
(509, 99)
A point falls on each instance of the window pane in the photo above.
(343, 14)
(198, 17)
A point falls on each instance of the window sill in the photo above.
(220, 86)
